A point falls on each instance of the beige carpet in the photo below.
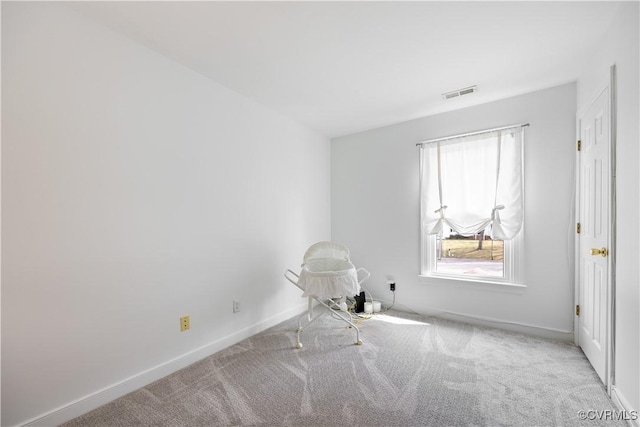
(410, 371)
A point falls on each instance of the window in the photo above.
(471, 203)
(477, 255)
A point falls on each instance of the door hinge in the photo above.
(578, 228)
(577, 310)
(579, 145)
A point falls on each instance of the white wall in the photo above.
(375, 209)
(621, 47)
(135, 191)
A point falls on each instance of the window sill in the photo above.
(436, 279)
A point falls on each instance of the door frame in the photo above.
(611, 244)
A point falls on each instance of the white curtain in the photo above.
(473, 183)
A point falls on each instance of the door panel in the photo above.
(593, 283)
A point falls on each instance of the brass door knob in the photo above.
(603, 251)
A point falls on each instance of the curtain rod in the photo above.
(471, 134)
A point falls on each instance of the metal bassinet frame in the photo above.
(328, 302)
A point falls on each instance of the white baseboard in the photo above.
(101, 397)
(623, 405)
(538, 331)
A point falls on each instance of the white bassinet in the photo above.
(327, 277)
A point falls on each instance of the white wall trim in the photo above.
(527, 329)
(623, 405)
(523, 328)
(101, 397)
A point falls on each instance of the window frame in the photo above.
(513, 259)
(513, 256)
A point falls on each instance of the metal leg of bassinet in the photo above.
(292, 277)
(334, 310)
(309, 319)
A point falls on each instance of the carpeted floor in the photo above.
(410, 371)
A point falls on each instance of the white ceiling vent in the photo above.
(460, 92)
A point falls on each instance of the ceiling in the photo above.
(344, 67)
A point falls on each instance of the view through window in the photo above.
(477, 255)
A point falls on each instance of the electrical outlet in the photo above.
(184, 323)
(236, 306)
(392, 286)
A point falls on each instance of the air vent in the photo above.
(460, 92)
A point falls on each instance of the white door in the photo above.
(594, 211)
